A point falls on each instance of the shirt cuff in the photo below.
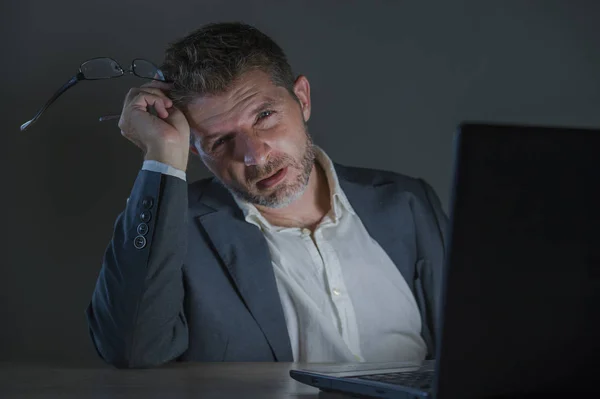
(155, 166)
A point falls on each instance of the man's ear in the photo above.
(302, 91)
(193, 132)
(193, 140)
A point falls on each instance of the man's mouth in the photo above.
(273, 179)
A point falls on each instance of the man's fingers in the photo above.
(158, 103)
(159, 93)
(135, 92)
(177, 117)
(160, 108)
(141, 97)
(143, 100)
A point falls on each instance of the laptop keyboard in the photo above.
(421, 378)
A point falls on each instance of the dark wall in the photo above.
(390, 82)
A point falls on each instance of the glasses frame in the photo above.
(81, 76)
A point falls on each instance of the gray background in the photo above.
(390, 82)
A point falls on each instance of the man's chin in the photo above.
(276, 198)
(281, 202)
(280, 195)
(283, 194)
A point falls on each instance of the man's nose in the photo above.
(253, 150)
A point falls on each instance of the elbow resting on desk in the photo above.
(125, 350)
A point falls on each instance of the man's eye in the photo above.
(264, 114)
(219, 142)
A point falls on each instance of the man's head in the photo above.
(248, 114)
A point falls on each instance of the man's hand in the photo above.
(165, 137)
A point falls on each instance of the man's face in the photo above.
(254, 139)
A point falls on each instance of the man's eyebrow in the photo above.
(265, 105)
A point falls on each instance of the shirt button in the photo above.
(336, 291)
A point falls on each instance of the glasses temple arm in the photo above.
(72, 82)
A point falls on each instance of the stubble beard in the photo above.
(286, 193)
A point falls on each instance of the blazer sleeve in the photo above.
(136, 316)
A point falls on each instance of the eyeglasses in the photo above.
(102, 68)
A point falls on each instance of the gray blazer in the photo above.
(186, 278)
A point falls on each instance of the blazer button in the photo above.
(145, 216)
(142, 229)
(147, 202)
(139, 242)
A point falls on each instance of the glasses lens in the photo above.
(101, 68)
(146, 69)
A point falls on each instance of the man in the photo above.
(283, 255)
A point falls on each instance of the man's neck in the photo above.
(308, 210)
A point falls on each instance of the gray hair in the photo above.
(212, 58)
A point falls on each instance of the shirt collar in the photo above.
(339, 201)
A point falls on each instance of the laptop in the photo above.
(521, 289)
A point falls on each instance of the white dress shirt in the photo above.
(343, 298)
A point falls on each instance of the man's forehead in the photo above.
(249, 95)
(207, 110)
(249, 84)
(211, 104)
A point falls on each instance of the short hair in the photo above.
(210, 59)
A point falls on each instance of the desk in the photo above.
(181, 380)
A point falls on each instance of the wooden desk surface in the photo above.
(191, 380)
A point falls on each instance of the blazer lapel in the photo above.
(381, 213)
(244, 251)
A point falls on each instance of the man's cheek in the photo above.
(236, 177)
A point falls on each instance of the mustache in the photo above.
(256, 173)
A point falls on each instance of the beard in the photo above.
(285, 193)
